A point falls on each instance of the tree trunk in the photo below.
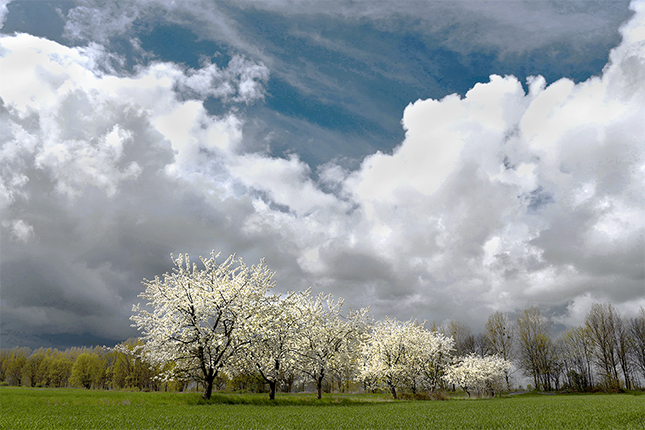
(272, 390)
(393, 391)
(625, 368)
(208, 386)
(536, 381)
(319, 386)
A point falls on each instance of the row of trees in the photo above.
(97, 367)
(608, 350)
(221, 323)
(223, 317)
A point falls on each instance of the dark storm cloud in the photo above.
(88, 207)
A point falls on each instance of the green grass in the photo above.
(79, 409)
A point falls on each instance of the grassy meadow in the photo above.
(24, 408)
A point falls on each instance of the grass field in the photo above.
(23, 408)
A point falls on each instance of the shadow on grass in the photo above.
(237, 399)
(564, 393)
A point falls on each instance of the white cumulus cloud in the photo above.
(496, 200)
(499, 199)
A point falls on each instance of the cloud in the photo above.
(437, 133)
(20, 230)
(85, 22)
(544, 188)
(499, 199)
(510, 26)
(101, 172)
(378, 56)
(496, 200)
(286, 181)
(241, 81)
(100, 21)
(3, 11)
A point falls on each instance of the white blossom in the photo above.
(475, 374)
(275, 337)
(401, 354)
(199, 315)
(330, 340)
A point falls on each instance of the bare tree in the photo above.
(637, 331)
(535, 346)
(500, 338)
(463, 336)
(576, 352)
(481, 345)
(602, 322)
(624, 345)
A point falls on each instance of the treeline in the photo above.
(606, 353)
(101, 367)
(97, 367)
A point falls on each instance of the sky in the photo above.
(438, 160)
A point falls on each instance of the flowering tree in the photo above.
(391, 353)
(275, 336)
(405, 354)
(199, 315)
(330, 340)
(478, 374)
(434, 357)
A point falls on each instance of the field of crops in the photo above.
(23, 408)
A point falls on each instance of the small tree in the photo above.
(14, 365)
(637, 330)
(59, 370)
(575, 348)
(30, 369)
(500, 338)
(275, 338)
(87, 371)
(328, 336)
(476, 374)
(435, 355)
(602, 323)
(535, 346)
(463, 336)
(130, 369)
(198, 316)
(392, 353)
